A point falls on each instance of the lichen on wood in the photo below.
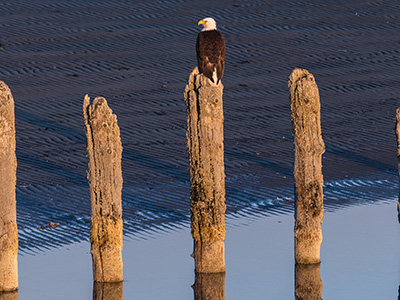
(309, 147)
(104, 151)
(207, 175)
(8, 212)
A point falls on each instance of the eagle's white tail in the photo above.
(214, 81)
(215, 77)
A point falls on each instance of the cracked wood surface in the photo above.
(104, 150)
(8, 212)
(309, 147)
(207, 176)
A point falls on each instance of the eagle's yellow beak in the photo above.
(201, 22)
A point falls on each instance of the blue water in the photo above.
(138, 55)
(359, 257)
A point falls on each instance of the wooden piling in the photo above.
(104, 150)
(398, 156)
(9, 295)
(207, 175)
(8, 177)
(209, 286)
(308, 283)
(309, 147)
(107, 291)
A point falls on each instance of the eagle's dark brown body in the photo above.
(210, 48)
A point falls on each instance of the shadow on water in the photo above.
(267, 164)
(360, 159)
(108, 290)
(48, 167)
(308, 283)
(209, 286)
(9, 295)
(161, 167)
(50, 125)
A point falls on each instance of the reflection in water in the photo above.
(308, 283)
(209, 286)
(107, 290)
(9, 295)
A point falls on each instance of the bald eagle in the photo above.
(210, 48)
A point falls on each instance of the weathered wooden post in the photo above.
(207, 175)
(104, 150)
(9, 295)
(309, 147)
(308, 283)
(398, 155)
(209, 286)
(108, 290)
(8, 178)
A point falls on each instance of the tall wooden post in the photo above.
(398, 155)
(308, 283)
(309, 147)
(8, 211)
(207, 175)
(105, 183)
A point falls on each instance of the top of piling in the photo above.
(197, 80)
(5, 94)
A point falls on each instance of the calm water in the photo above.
(359, 261)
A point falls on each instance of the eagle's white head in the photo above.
(208, 23)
